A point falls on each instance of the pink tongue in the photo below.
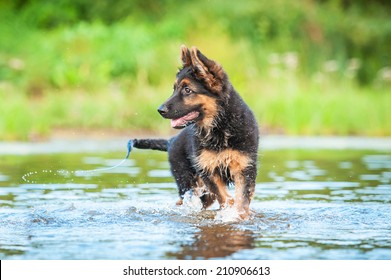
(178, 122)
(182, 121)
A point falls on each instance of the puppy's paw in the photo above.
(179, 202)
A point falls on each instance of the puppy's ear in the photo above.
(207, 69)
(185, 56)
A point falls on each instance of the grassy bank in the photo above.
(314, 68)
(294, 107)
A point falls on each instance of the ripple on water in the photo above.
(288, 226)
(302, 209)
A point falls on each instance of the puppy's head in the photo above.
(199, 86)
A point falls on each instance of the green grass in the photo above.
(23, 118)
(280, 107)
(297, 66)
(338, 111)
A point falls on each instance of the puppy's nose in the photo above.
(163, 110)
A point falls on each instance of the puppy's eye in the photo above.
(187, 91)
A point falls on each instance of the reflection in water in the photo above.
(307, 205)
(215, 241)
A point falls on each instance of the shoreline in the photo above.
(119, 143)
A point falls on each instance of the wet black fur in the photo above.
(234, 127)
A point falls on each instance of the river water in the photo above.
(320, 199)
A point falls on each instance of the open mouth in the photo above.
(185, 120)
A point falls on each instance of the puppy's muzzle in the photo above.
(163, 110)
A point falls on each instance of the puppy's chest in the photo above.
(213, 138)
(210, 162)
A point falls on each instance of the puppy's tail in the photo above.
(150, 144)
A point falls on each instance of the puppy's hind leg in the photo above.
(244, 191)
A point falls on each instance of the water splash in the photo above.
(191, 202)
(78, 173)
(228, 215)
(192, 205)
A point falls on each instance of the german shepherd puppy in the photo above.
(218, 143)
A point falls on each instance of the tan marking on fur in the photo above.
(209, 70)
(223, 197)
(184, 81)
(179, 202)
(185, 56)
(201, 190)
(243, 196)
(239, 194)
(208, 104)
(230, 159)
(236, 162)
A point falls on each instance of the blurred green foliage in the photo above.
(317, 30)
(86, 53)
